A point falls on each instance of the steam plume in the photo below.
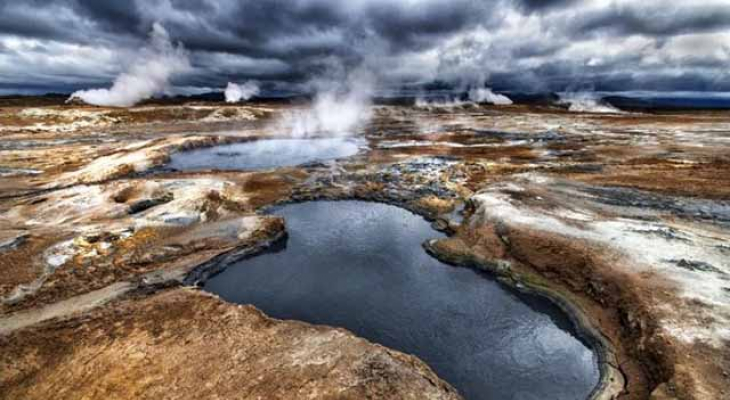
(441, 103)
(587, 102)
(147, 76)
(339, 108)
(477, 95)
(486, 95)
(235, 92)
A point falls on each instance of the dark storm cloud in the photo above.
(416, 27)
(22, 19)
(511, 43)
(114, 16)
(662, 21)
(316, 28)
(542, 5)
(531, 50)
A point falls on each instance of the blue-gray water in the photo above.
(361, 266)
(264, 154)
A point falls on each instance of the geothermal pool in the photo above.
(361, 266)
(264, 154)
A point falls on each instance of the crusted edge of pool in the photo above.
(611, 380)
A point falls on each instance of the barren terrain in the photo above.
(623, 219)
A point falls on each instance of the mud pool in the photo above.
(361, 266)
(265, 154)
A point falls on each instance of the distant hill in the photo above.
(668, 103)
(408, 96)
(50, 99)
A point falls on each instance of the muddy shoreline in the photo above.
(611, 382)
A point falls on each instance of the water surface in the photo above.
(264, 154)
(361, 266)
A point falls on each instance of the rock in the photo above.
(145, 204)
(186, 344)
(12, 239)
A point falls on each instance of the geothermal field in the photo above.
(191, 250)
(417, 199)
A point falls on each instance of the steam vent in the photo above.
(410, 199)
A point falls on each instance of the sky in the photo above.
(521, 45)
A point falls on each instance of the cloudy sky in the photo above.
(64, 45)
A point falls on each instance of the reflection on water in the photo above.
(264, 154)
(361, 266)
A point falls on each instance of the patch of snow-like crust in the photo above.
(60, 120)
(644, 253)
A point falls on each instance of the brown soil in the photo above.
(185, 344)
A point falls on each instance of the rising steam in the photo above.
(477, 95)
(339, 108)
(441, 103)
(148, 75)
(235, 92)
(588, 102)
(486, 95)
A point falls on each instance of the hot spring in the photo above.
(265, 154)
(361, 266)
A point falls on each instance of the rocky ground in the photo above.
(623, 219)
